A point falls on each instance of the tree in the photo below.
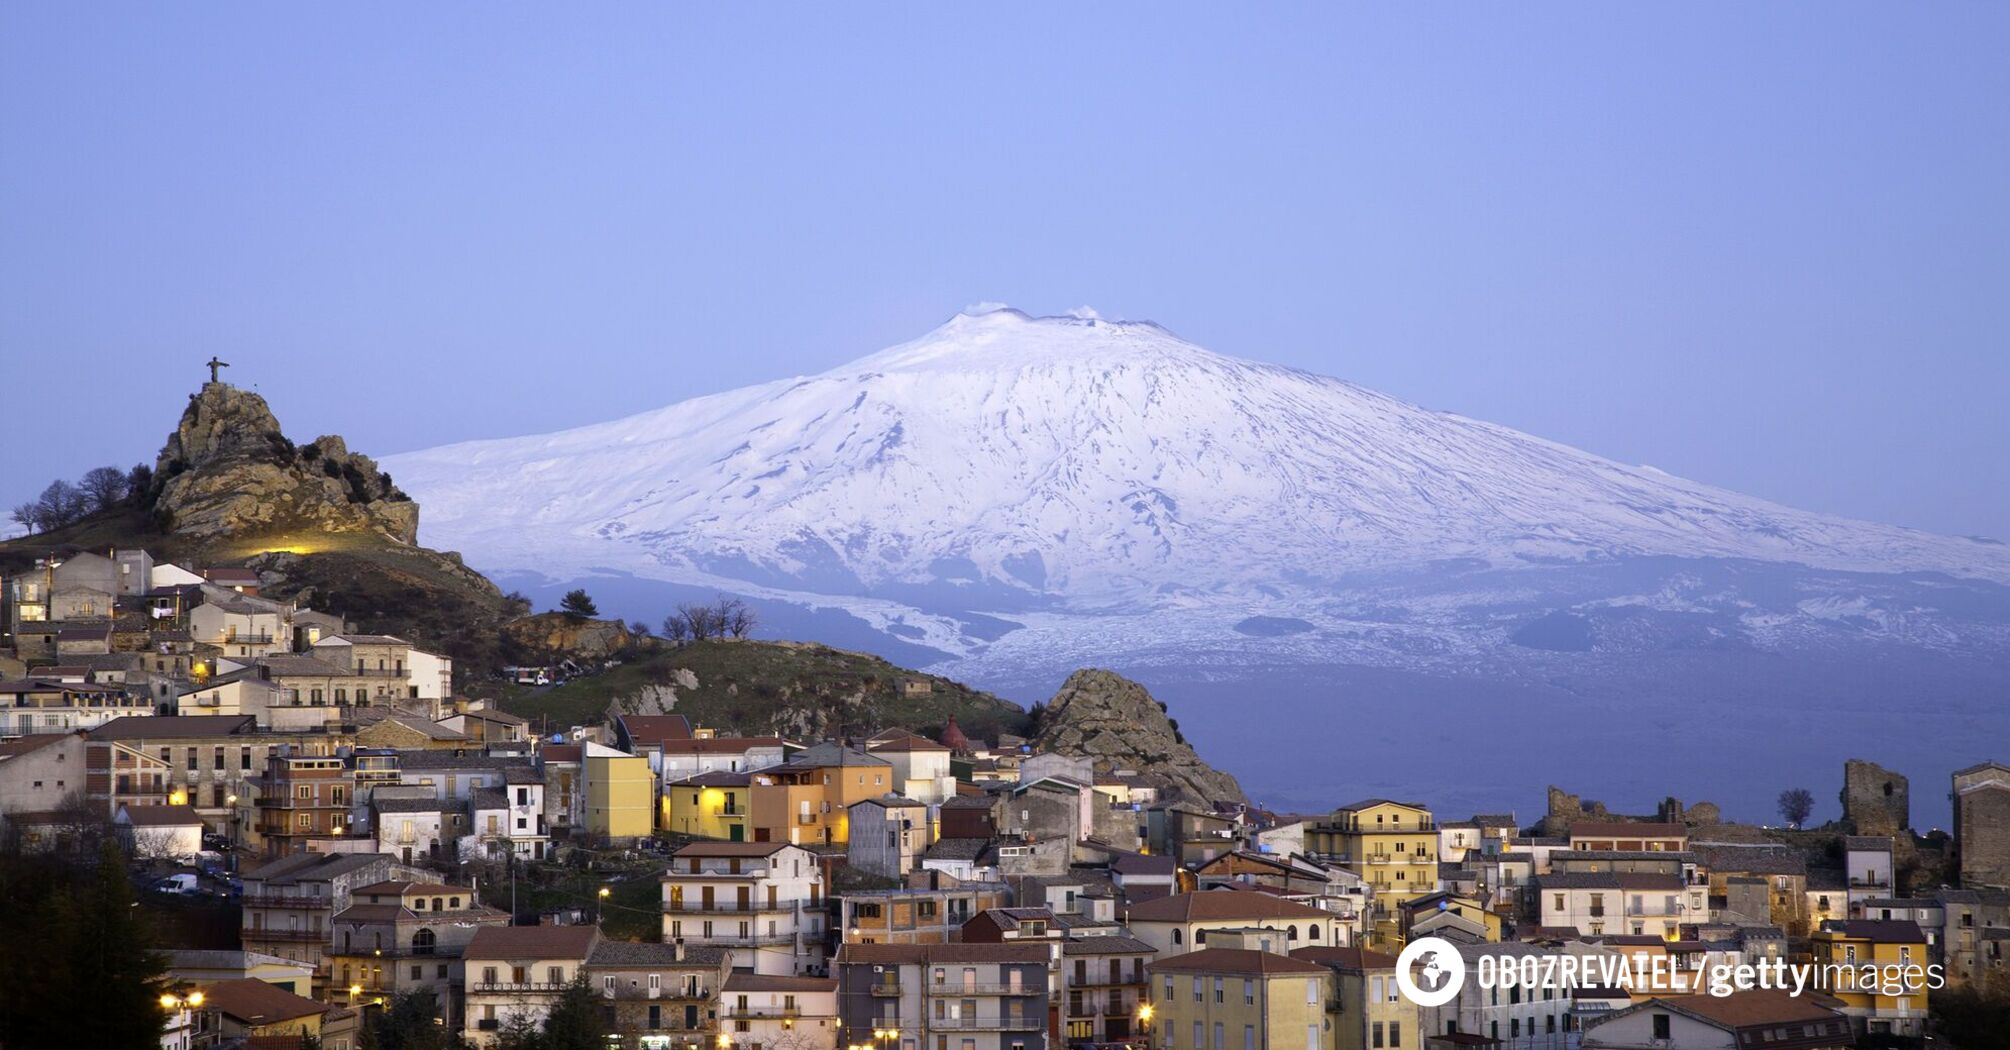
(28, 516)
(700, 620)
(734, 617)
(575, 1021)
(1796, 804)
(676, 628)
(407, 1022)
(110, 961)
(104, 488)
(578, 604)
(139, 481)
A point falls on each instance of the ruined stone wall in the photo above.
(1875, 800)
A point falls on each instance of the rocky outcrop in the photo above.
(555, 635)
(1114, 722)
(228, 471)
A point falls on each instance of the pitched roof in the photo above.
(1883, 931)
(958, 849)
(1352, 958)
(902, 740)
(730, 849)
(162, 727)
(257, 1002)
(1216, 905)
(716, 745)
(312, 866)
(942, 953)
(760, 982)
(531, 942)
(654, 729)
(1113, 944)
(716, 778)
(1610, 880)
(1236, 960)
(1134, 864)
(829, 754)
(163, 816)
(26, 744)
(1367, 803)
(411, 805)
(1748, 1009)
(651, 953)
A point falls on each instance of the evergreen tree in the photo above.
(576, 1021)
(578, 604)
(110, 965)
(408, 1022)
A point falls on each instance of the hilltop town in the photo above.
(344, 832)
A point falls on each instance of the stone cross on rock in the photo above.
(215, 364)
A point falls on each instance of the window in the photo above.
(1198, 995)
(1661, 1026)
(1217, 991)
(1311, 992)
(1220, 1042)
(1375, 1035)
(1395, 1033)
(1249, 1037)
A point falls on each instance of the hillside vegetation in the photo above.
(798, 689)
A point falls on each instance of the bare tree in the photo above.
(28, 516)
(701, 620)
(676, 628)
(1796, 804)
(104, 488)
(736, 618)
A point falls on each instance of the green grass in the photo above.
(796, 689)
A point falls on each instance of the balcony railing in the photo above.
(511, 987)
(728, 908)
(952, 990)
(761, 1013)
(286, 900)
(887, 989)
(1028, 1023)
(284, 935)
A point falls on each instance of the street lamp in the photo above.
(886, 1034)
(1145, 1012)
(172, 1003)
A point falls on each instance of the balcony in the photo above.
(967, 989)
(885, 989)
(1029, 1023)
(302, 936)
(286, 900)
(515, 987)
(727, 908)
(761, 1013)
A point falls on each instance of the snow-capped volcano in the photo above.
(1009, 498)
(1094, 464)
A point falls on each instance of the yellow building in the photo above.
(1392, 845)
(1877, 968)
(1223, 997)
(1368, 1012)
(805, 801)
(1433, 914)
(708, 806)
(620, 790)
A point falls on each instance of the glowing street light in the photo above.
(1145, 1012)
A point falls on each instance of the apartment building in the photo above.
(1629, 836)
(787, 1013)
(516, 973)
(915, 915)
(660, 995)
(1392, 845)
(1180, 923)
(1105, 983)
(1874, 949)
(401, 936)
(303, 797)
(290, 903)
(1626, 903)
(943, 996)
(805, 800)
(1215, 998)
(764, 901)
(1367, 1010)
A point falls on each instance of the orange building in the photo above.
(803, 801)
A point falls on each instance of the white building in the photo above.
(920, 766)
(788, 1013)
(763, 900)
(1867, 863)
(515, 974)
(682, 759)
(161, 832)
(1619, 902)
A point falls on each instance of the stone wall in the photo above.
(1982, 819)
(1875, 800)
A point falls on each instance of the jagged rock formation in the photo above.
(229, 471)
(557, 635)
(1113, 721)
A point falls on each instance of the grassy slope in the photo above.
(762, 687)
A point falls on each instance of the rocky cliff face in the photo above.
(229, 471)
(1112, 720)
(555, 635)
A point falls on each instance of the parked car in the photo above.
(186, 883)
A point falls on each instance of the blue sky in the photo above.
(1764, 246)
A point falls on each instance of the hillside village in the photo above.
(344, 826)
(368, 828)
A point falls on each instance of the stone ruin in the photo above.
(1566, 809)
(1875, 800)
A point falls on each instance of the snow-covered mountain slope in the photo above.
(1004, 461)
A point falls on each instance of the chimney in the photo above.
(679, 949)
